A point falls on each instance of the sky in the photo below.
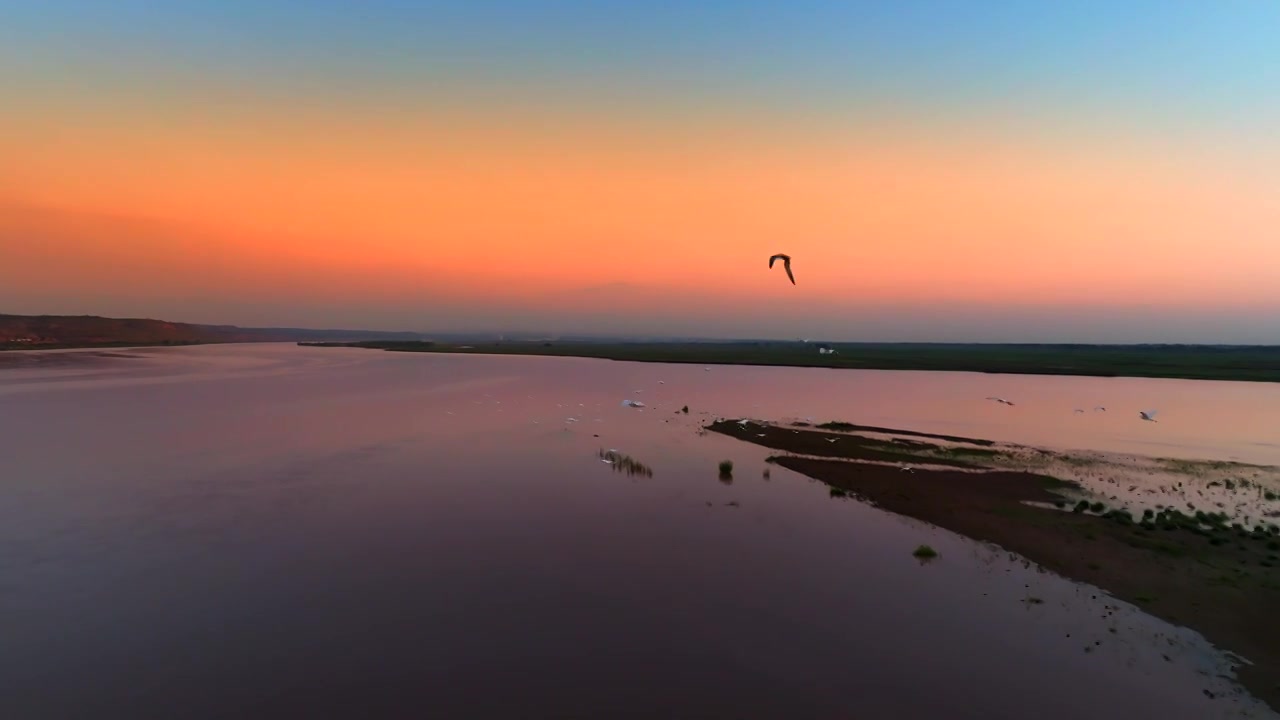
(1025, 171)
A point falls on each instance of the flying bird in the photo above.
(1147, 415)
(1000, 400)
(786, 264)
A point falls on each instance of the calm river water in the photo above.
(272, 530)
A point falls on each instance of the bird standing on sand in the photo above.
(786, 264)
(1147, 415)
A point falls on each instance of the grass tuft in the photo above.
(924, 552)
(621, 462)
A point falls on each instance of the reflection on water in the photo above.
(621, 462)
(281, 530)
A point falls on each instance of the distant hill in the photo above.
(61, 331)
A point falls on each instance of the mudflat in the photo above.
(1199, 570)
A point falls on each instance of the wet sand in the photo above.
(1221, 580)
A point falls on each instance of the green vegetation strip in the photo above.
(1204, 362)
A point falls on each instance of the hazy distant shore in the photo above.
(65, 357)
(1215, 573)
(65, 332)
(27, 348)
(1191, 362)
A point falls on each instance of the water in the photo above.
(262, 530)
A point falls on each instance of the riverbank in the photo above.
(1220, 578)
(30, 348)
(68, 357)
(64, 332)
(1192, 362)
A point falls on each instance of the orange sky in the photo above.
(502, 213)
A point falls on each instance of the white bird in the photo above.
(908, 468)
(1099, 407)
(1079, 410)
(786, 264)
(1147, 415)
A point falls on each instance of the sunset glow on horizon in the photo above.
(1109, 172)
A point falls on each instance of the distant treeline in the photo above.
(1259, 363)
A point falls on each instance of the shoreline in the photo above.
(1186, 362)
(1216, 576)
(46, 347)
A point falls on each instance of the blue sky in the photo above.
(1214, 62)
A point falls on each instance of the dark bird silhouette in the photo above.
(786, 264)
